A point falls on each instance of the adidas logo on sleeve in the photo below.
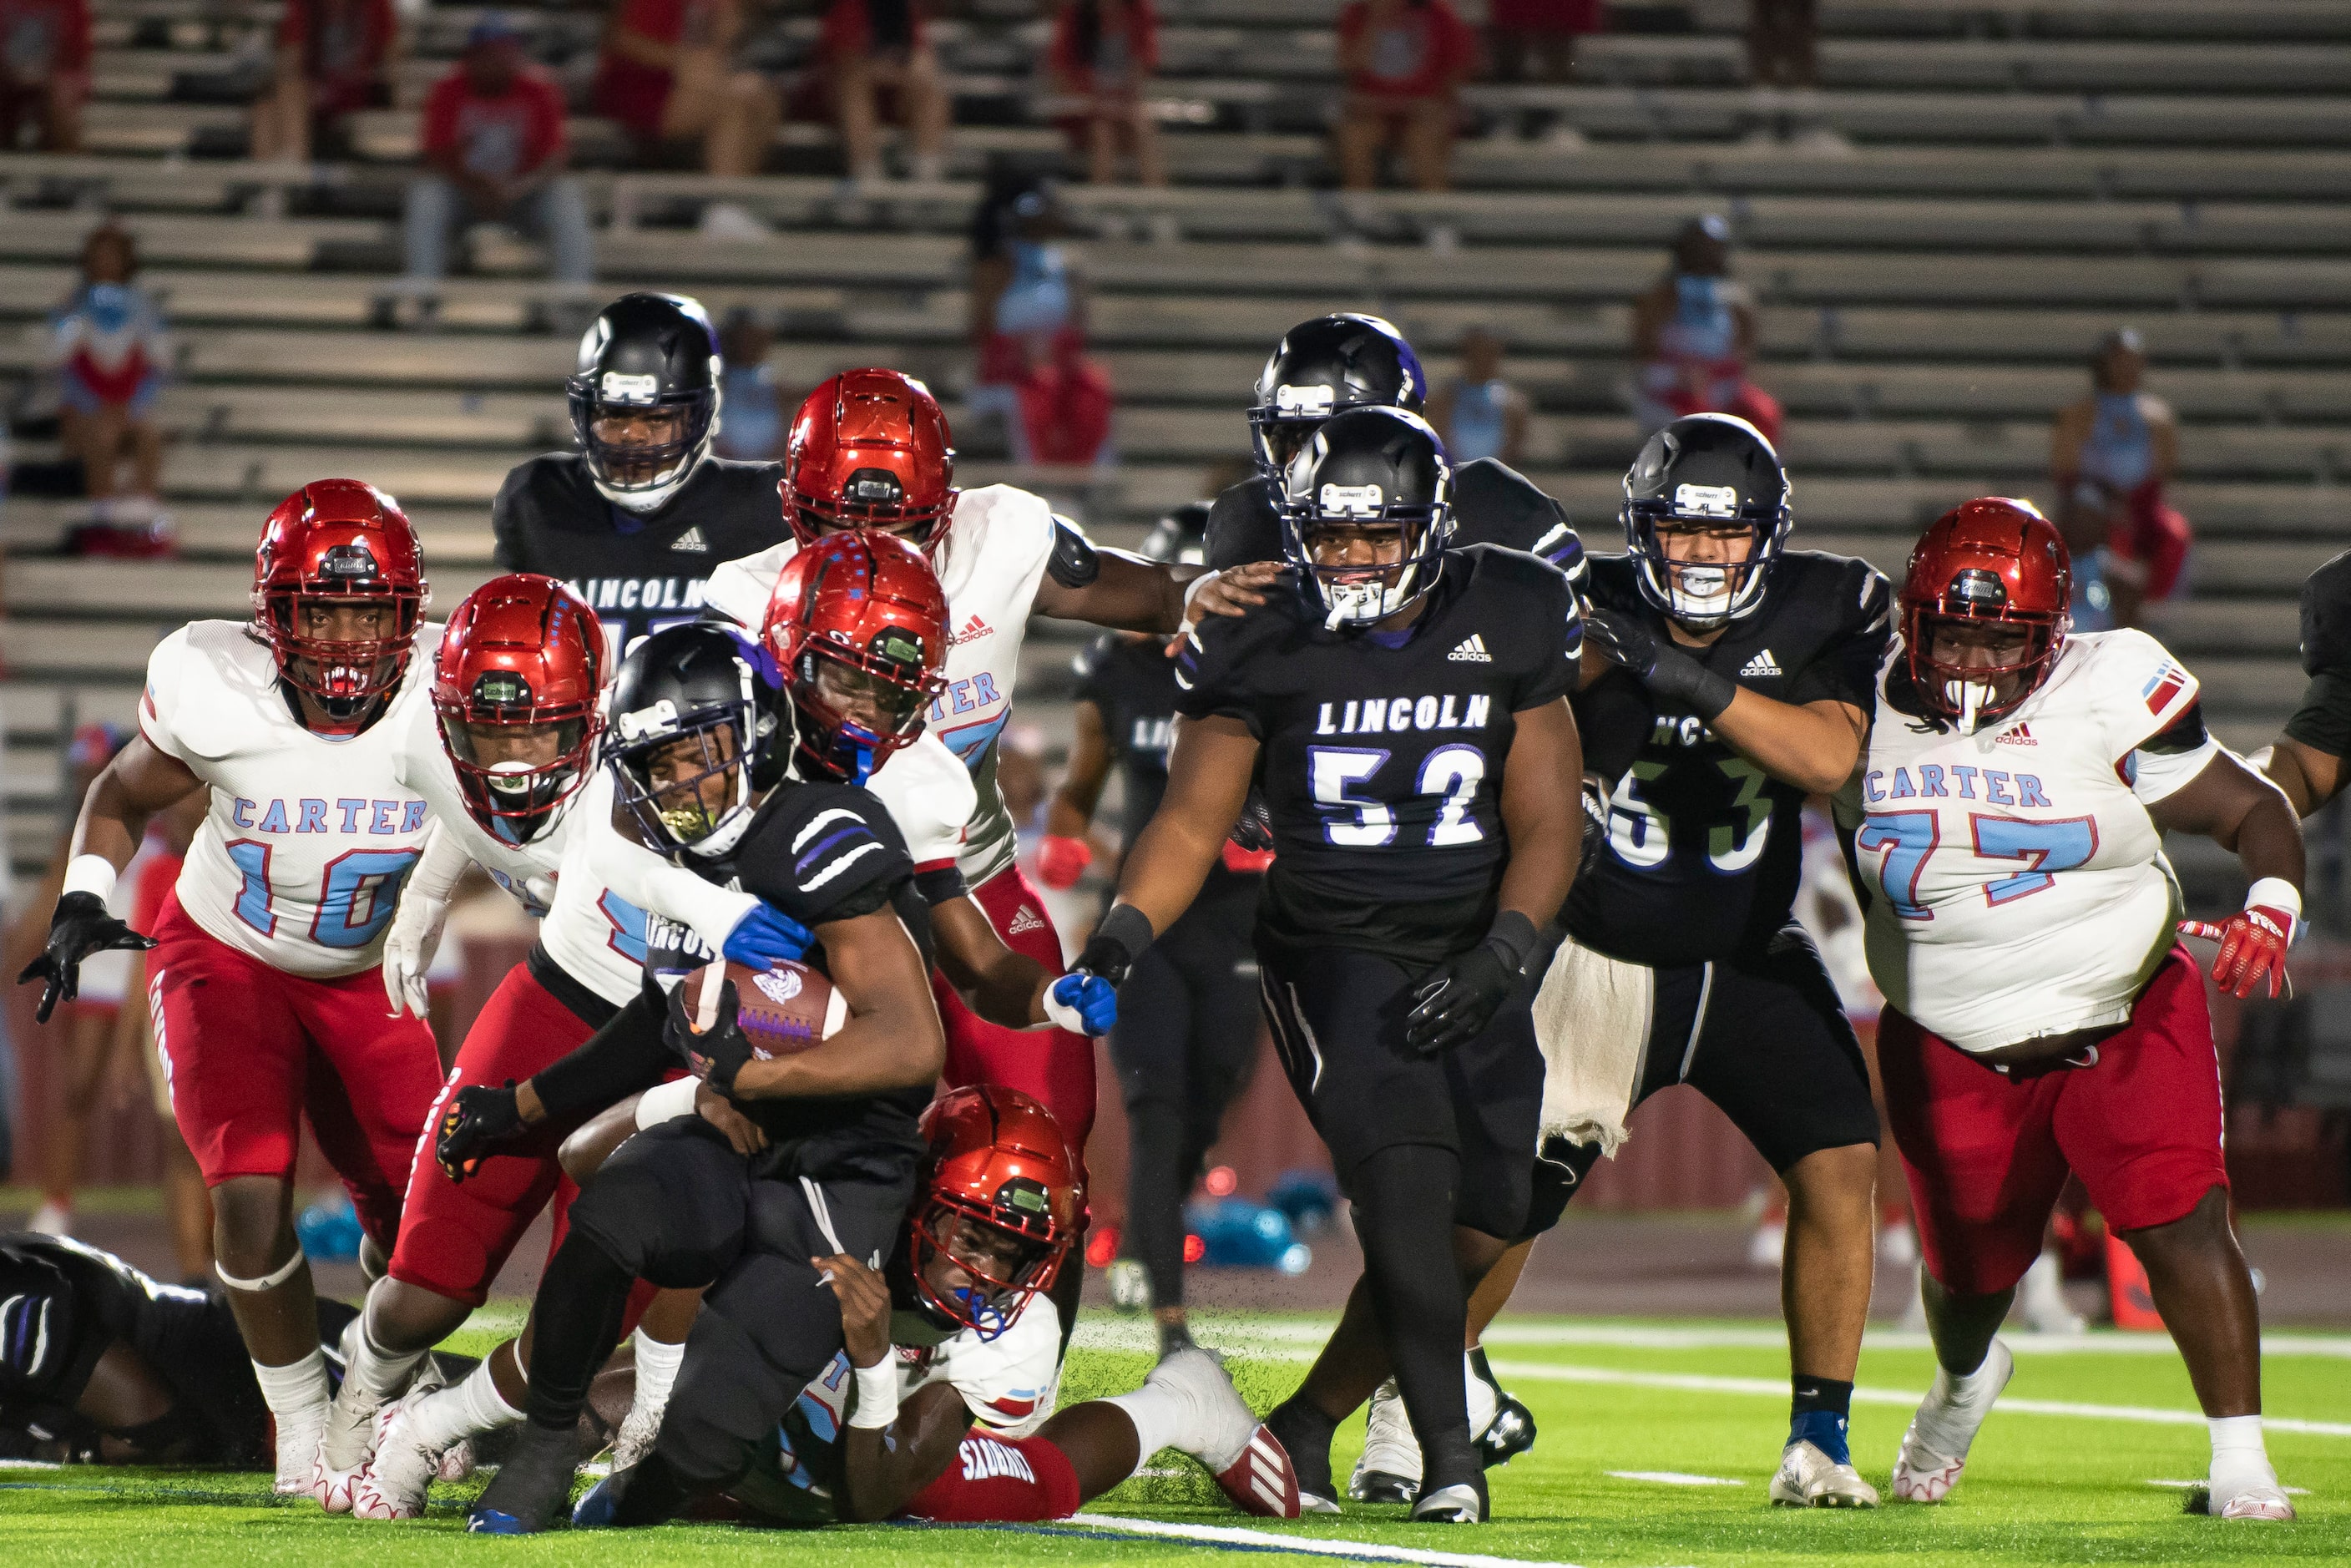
(1763, 666)
(1471, 650)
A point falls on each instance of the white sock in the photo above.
(2239, 1455)
(1483, 1405)
(379, 1373)
(441, 1421)
(1158, 1416)
(657, 1364)
(296, 1389)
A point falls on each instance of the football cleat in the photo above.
(639, 1430)
(595, 1510)
(1807, 1477)
(2262, 1500)
(1935, 1445)
(1261, 1482)
(395, 1483)
(1389, 1470)
(1508, 1435)
(1250, 1463)
(1129, 1286)
(346, 1446)
(531, 1488)
(298, 1437)
(1462, 1503)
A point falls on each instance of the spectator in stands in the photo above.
(874, 47)
(752, 413)
(667, 73)
(1478, 413)
(1404, 61)
(1542, 32)
(495, 152)
(334, 57)
(1028, 325)
(1100, 59)
(110, 354)
(1784, 43)
(44, 72)
(2110, 455)
(1693, 332)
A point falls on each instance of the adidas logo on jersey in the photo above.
(1471, 650)
(2020, 736)
(1025, 919)
(1762, 664)
(692, 542)
(973, 631)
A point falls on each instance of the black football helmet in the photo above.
(650, 358)
(1180, 538)
(705, 704)
(1705, 469)
(1365, 468)
(1323, 367)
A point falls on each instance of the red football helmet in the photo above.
(1995, 562)
(521, 654)
(869, 449)
(339, 543)
(996, 1163)
(858, 624)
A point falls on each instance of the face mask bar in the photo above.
(673, 814)
(1362, 595)
(343, 677)
(663, 463)
(1968, 695)
(514, 801)
(990, 1305)
(1666, 584)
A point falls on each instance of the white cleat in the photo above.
(1250, 1464)
(2041, 1299)
(1808, 1477)
(1935, 1445)
(298, 1451)
(346, 1447)
(2260, 1500)
(394, 1485)
(1458, 1504)
(1389, 1471)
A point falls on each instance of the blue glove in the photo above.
(1082, 1004)
(767, 935)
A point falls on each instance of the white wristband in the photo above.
(666, 1103)
(2276, 893)
(90, 874)
(877, 1396)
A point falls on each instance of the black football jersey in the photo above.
(1382, 756)
(1704, 850)
(2323, 722)
(640, 572)
(816, 852)
(1493, 504)
(1132, 682)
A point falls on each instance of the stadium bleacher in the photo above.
(2024, 175)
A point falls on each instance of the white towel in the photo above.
(1592, 1016)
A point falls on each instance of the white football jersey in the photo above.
(2019, 886)
(525, 871)
(999, 540)
(301, 859)
(1010, 1384)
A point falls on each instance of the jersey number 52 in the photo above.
(1335, 775)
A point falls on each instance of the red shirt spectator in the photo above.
(344, 45)
(1068, 58)
(632, 91)
(1419, 49)
(42, 38)
(501, 136)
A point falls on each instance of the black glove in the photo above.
(1254, 831)
(80, 927)
(715, 1054)
(479, 1120)
(1460, 996)
(1658, 664)
(1116, 944)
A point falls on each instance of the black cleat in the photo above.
(532, 1487)
(1511, 1433)
(1378, 1486)
(1464, 1502)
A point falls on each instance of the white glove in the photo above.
(407, 950)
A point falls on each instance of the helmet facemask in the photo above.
(2021, 647)
(1703, 594)
(518, 764)
(641, 444)
(977, 1265)
(344, 676)
(1404, 544)
(856, 708)
(686, 779)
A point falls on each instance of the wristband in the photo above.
(90, 874)
(666, 1103)
(1513, 937)
(1128, 928)
(2276, 893)
(1192, 591)
(877, 1396)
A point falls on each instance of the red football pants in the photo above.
(1001, 1480)
(249, 1050)
(1054, 1067)
(1986, 1154)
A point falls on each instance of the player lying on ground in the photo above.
(1421, 770)
(956, 1419)
(2041, 1016)
(267, 1002)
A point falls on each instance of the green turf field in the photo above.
(1703, 1402)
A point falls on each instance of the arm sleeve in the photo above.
(1846, 670)
(2323, 722)
(1072, 562)
(444, 860)
(649, 882)
(624, 1056)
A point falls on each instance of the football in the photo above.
(783, 1009)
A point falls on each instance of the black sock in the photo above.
(1821, 1412)
(1403, 1201)
(1172, 1337)
(1305, 1433)
(576, 1319)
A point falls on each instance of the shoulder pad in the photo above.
(2326, 617)
(1073, 563)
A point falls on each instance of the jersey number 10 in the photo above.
(355, 899)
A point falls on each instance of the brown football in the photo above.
(783, 1009)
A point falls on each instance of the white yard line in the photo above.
(1675, 1478)
(1232, 1538)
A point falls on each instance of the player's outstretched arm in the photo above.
(1208, 772)
(1131, 595)
(1003, 987)
(889, 1451)
(2309, 777)
(892, 1040)
(2239, 809)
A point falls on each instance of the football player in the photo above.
(869, 449)
(1333, 363)
(2041, 1016)
(262, 980)
(1188, 1039)
(2307, 761)
(635, 519)
(1420, 767)
(954, 1420)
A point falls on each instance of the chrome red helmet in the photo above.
(858, 624)
(869, 449)
(1986, 562)
(522, 653)
(996, 1163)
(337, 543)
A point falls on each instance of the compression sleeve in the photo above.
(649, 882)
(2323, 722)
(624, 1056)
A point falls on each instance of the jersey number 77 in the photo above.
(1896, 845)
